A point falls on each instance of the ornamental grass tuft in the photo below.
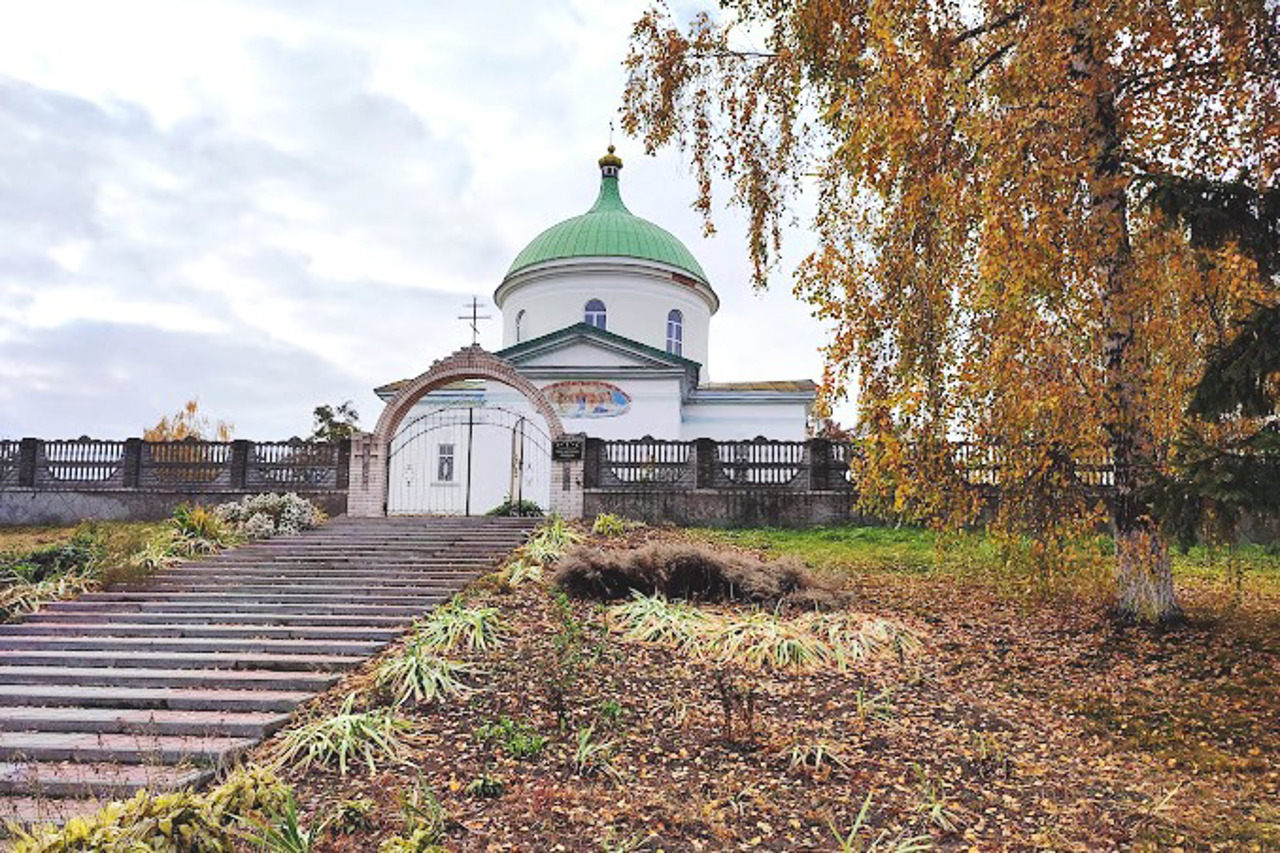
(456, 626)
(416, 673)
(365, 737)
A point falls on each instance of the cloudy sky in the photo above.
(271, 204)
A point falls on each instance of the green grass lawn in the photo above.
(915, 551)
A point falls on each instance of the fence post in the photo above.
(240, 463)
(819, 464)
(704, 451)
(592, 463)
(28, 451)
(343, 480)
(132, 462)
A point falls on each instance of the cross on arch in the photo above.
(474, 319)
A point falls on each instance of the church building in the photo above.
(610, 316)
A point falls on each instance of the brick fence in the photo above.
(64, 481)
(702, 482)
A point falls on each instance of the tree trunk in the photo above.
(1143, 564)
(1144, 575)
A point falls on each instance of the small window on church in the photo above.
(444, 464)
(594, 314)
(675, 332)
(520, 326)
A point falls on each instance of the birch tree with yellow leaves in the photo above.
(986, 253)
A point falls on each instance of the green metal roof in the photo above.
(608, 229)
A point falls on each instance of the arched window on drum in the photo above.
(520, 326)
(675, 332)
(594, 314)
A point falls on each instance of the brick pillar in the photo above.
(239, 463)
(594, 460)
(568, 454)
(132, 462)
(343, 479)
(367, 478)
(28, 453)
(704, 450)
(819, 464)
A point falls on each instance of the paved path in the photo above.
(157, 685)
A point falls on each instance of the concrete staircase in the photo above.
(157, 685)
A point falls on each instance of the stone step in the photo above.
(356, 590)
(233, 607)
(365, 568)
(248, 724)
(184, 660)
(62, 644)
(34, 779)
(127, 677)
(202, 629)
(95, 747)
(172, 617)
(273, 595)
(25, 811)
(294, 579)
(200, 660)
(173, 699)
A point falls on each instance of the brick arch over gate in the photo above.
(367, 495)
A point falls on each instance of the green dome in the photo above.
(608, 229)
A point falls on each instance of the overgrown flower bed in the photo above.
(932, 715)
(98, 554)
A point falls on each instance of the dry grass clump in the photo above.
(693, 571)
(762, 640)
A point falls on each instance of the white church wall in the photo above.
(654, 409)
(637, 301)
(740, 421)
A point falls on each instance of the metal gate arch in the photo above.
(416, 484)
(367, 493)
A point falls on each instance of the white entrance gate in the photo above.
(466, 459)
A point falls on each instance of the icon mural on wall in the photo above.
(587, 399)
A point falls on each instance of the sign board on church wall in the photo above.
(587, 399)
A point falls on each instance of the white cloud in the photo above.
(278, 203)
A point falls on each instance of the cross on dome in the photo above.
(608, 229)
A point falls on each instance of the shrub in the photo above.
(524, 508)
(23, 597)
(550, 541)
(197, 530)
(78, 555)
(265, 515)
(519, 740)
(689, 570)
(365, 736)
(193, 823)
(608, 524)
